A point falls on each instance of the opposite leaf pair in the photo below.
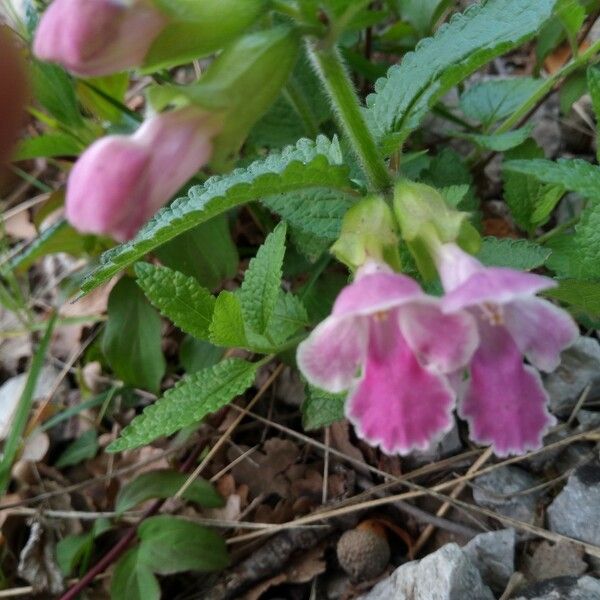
(404, 355)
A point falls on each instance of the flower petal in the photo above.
(376, 292)
(444, 342)
(399, 405)
(541, 330)
(505, 404)
(495, 285)
(329, 358)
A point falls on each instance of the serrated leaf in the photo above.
(307, 165)
(178, 297)
(498, 142)
(574, 256)
(262, 281)
(188, 402)
(206, 253)
(173, 544)
(133, 580)
(495, 99)
(458, 49)
(574, 174)
(584, 296)
(516, 254)
(227, 326)
(164, 483)
(321, 409)
(530, 201)
(132, 338)
(315, 217)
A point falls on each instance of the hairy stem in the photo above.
(339, 87)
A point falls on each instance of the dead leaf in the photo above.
(20, 227)
(37, 564)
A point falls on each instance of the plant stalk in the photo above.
(336, 81)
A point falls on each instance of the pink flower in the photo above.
(119, 182)
(504, 401)
(97, 37)
(390, 345)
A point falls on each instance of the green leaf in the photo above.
(70, 551)
(583, 296)
(133, 579)
(495, 99)
(574, 174)
(164, 484)
(55, 91)
(262, 281)
(530, 201)
(48, 145)
(132, 338)
(21, 414)
(198, 354)
(178, 297)
(498, 142)
(172, 544)
(593, 81)
(84, 447)
(458, 49)
(206, 252)
(196, 29)
(315, 217)
(188, 402)
(422, 14)
(227, 326)
(307, 165)
(516, 254)
(321, 409)
(59, 237)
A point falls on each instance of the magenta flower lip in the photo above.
(390, 345)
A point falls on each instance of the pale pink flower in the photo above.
(390, 345)
(504, 400)
(97, 37)
(120, 181)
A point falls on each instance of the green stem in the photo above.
(296, 97)
(547, 86)
(337, 82)
(558, 229)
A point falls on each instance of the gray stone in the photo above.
(500, 490)
(562, 588)
(556, 560)
(576, 510)
(579, 367)
(493, 554)
(447, 574)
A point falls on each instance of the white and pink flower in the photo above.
(391, 346)
(504, 400)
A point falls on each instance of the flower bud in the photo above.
(369, 233)
(97, 37)
(121, 181)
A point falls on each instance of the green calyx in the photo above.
(369, 232)
(426, 221)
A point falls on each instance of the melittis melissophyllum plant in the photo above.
(425, 328)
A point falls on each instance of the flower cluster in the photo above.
(408, 358)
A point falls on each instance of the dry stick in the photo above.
(232, 464)
(420, 491)
(230, 430)
(455, 493)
